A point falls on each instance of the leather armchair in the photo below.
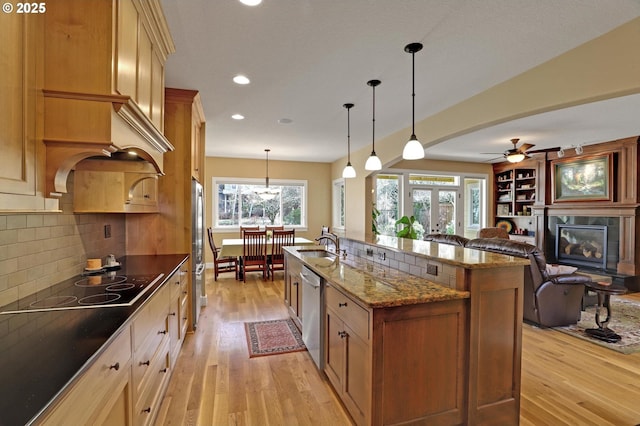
(549, 300)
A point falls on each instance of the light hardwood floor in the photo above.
(565, 381)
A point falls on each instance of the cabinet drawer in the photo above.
(96, 385)
(148, 399)
(355, 316)
(151, 320)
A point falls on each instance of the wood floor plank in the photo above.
(565, 381)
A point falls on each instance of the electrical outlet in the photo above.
(382, 255)
(432, 269)
(369, 252)
(107, 231)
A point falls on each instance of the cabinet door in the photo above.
(18, 106)
(334, 349)
(127, 51)
(356, 384)
(145, 53)
(145, 192)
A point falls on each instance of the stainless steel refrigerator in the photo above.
(198, 292)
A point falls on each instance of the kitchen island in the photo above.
(399, 347)
(47, 353)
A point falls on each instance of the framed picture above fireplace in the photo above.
(582, 179)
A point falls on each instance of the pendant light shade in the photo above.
(413, 150)
(373, 162)
(267, 193)
(349, 171)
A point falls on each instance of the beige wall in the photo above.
(318, 176)
(604, 68)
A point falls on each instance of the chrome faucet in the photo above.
(331, 237)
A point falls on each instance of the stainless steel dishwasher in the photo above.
(312, 300)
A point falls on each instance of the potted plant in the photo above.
(409, 230)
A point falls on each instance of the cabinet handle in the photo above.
(178, 282)
(162, 332)
(342, 334)
(184, 292)
(340, 305)
(172, 314)
(145, 362)
(147, 410)
(295, 283)
(147, 196)
(115, 366)
(164, 370)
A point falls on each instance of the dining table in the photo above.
(232, 247)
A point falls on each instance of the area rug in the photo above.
(625, 321)
(273, 337)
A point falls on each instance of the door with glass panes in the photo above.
(435, 209)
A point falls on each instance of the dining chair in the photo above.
(274, 228)
(254, 253)
(221, 264)
(280, 238)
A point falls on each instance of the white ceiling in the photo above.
(306, 58)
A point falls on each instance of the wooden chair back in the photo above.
(280, 238)
(248, 228)
(275, 228)
(221, 264)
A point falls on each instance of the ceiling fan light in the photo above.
(373, 162)
(515, 157)
(413, 150)
(349, 172)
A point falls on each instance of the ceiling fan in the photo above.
(516, 155)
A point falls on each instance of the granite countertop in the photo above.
(42, 353)
(449, 254)
(375, 285)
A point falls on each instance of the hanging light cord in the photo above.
(348, 133)
(413, 95)
(267, 177)
(373, 130)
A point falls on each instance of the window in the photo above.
(339, 201)
(387, 203)
(239, 202)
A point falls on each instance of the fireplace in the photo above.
(581, 245)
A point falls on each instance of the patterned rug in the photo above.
(273, 337)
(625, 321)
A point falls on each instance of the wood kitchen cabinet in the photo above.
(111, 186)
(178, 314)
(151, 354)
(103, 83)
(293, 288)
(184, 113)
(397, 365)
(22, 161)
(101, 396)
(348, 353)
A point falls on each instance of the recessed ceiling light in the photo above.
(237, 117)
(251, 2)
(241, 79)
(285, 121)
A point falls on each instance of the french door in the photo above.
(436, 209)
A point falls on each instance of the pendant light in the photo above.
(373, 162)
(349, 171)
(413, 150)
(266, 193)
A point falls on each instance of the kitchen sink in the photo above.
(317, 252)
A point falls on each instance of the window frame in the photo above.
(339, 204)
(218, 180)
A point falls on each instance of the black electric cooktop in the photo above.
(94, 290)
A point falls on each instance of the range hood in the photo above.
(78, 126)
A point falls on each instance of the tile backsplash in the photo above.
(38, 250)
